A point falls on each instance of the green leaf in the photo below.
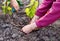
(9, 8)
(30, 11)
(10, 13)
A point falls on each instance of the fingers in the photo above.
(27, 31)
(29, 28)
(16, 7)
(23, 32)
(15, 4)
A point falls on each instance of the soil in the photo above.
(10, 27)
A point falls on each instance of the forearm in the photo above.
(34, 19)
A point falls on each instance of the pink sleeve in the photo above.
(44, 7)
(51, 16)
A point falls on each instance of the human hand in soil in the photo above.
(34, 19)
(29, 28)
(15, 4)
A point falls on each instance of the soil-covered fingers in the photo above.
(29, 28)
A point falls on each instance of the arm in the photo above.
(44, 7)
(51, 16)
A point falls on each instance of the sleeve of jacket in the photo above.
(51, 16)
(44, 7)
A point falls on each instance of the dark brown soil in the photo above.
(10, 27)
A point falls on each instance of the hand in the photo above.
(35, 18)
(15, 4)
(29, 28)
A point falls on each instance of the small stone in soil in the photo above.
(1, 38)
(14, 35)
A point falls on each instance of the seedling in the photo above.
(6, 7)
(31, 8)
